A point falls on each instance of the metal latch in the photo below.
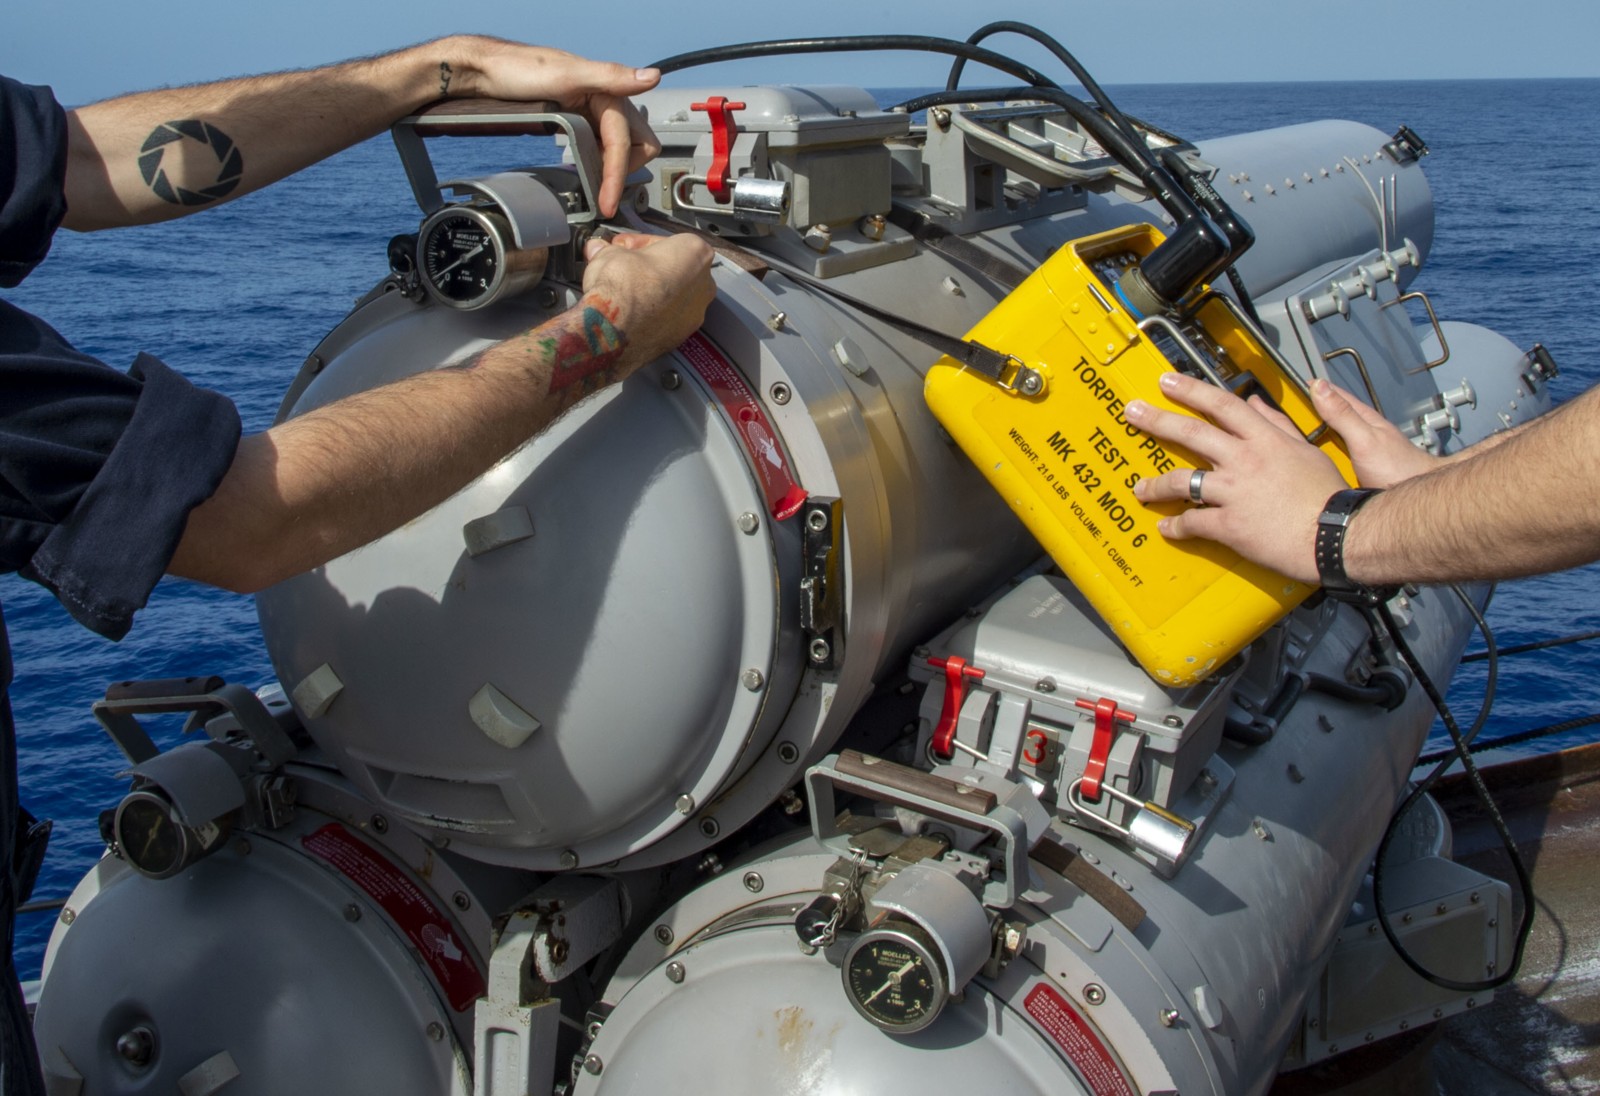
(1153, 828)
(821, 584)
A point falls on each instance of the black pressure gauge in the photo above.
(466, 257)
(894, 977)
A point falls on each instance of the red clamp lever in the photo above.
(956, 676)
(1106, 717)
(722, 133)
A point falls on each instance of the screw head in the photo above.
(568, 859)
(753, 882)
(137, 1046)
(379, 824)
(462, 900)
(593, 1065)
(780, 393)
(436, 1031)
(546, 296)
(671, 381)
(663, 935)
(1169, 1017)
(1094, 993)
(352, 913)
(748, 523)
(1032, 384)
(1173, 721)
(709, 827)
(675, 972)
(685, 803)
(752, 680)
(820, 650)
(68, 915)
(788, 753)
(1045, 685)
(817, 520)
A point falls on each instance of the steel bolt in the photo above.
(1032, 384)
(352, 913)
(788, 753)
(569, 859)
(1045, 685)
(777, 320)
(379, 824)
(1472, 1002)
(68, 915)
(1438, 1013)
(137, 1047)
(1169, 1017)
(663, 935)
(1404, 1025)
(685, 803)
(593, 1065)
(671, 381)
(753, 882)
(1474, 898)
(752, 680)
(462, 900)
(1173, 721)
(436, 1031)
(748, 523)
(820, 650)
(559, 950)
(1405, 918)
(1441, 909)
(1372, 929)
(780, 393)
(1094, 993)
(1368, 1037)
(1260, 829)
(817, 520)
(675, 972)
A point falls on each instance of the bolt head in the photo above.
(663, 935)
(817, 520)
(569, 859)
(820, 650)
(780, 393)
(788, 753)
(748, 523)
(709, 827)
(685, 803)
(671, 381)
(1169, 1017)
(352, 913)
(593, 1065)
(462, 900)
(752, 680)
(379, 824)
(1094, 993)
(137, 1046)
(1032, 384)
(675, 972)
(68, 915)
(753, 882)
(436, 1031)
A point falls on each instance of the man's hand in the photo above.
(497, 69)
(1265, 487)
(659, 287)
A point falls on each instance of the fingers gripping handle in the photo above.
(495, 118)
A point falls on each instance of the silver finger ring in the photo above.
(1197, 480)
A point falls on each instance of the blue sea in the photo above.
(238, 296)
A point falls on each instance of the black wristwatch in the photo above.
(1331, 526)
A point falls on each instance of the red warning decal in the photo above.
(784, 495)
(1078, 1041)
(424, 923)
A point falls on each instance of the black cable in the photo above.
(856, 43)
(1062, 54)
(1524, 881)
(1512, 739)
(1540, 645)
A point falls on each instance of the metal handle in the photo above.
(1438, 331)
(494, 118)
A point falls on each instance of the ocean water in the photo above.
(237, 297)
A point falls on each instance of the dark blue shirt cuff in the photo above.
(106, 557)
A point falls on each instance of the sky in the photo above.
(92, 49)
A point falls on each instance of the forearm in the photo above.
(160, 154)
(327, 482)
(1522, 503)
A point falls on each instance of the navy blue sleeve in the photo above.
(98, 469)
(33, 170)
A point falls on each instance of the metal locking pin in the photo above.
(1153, 828)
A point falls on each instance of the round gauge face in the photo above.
(894, 978)
(460, 255)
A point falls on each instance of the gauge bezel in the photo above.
(920, 943)
(514, 269)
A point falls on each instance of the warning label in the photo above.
(784, 495)
(1078, 1041)
(423, 923)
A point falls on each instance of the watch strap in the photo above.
(1332, 525)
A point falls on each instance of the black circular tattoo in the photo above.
(230, 164)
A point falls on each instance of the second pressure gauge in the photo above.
(467, 260)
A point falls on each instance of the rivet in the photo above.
(1094, 993)
(671, 381)
(1472, 1002)
(753, 882)
(68, 915)
(780, 393)
(1173, 721)
(752, 680)
(1405, 918)
(685, 803)
(663, 935)
(748, 523)
(1474, 898)
(462, 900)
(379, 824)
(1441, 908)
(675, 972)
(352, 913)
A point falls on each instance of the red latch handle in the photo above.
(722, 133)
(956, 676)
(1106, 717)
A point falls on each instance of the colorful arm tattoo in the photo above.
(585, 348)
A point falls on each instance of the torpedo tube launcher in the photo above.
(1050, 435)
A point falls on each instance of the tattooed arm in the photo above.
(160, 154)
(320, 485)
